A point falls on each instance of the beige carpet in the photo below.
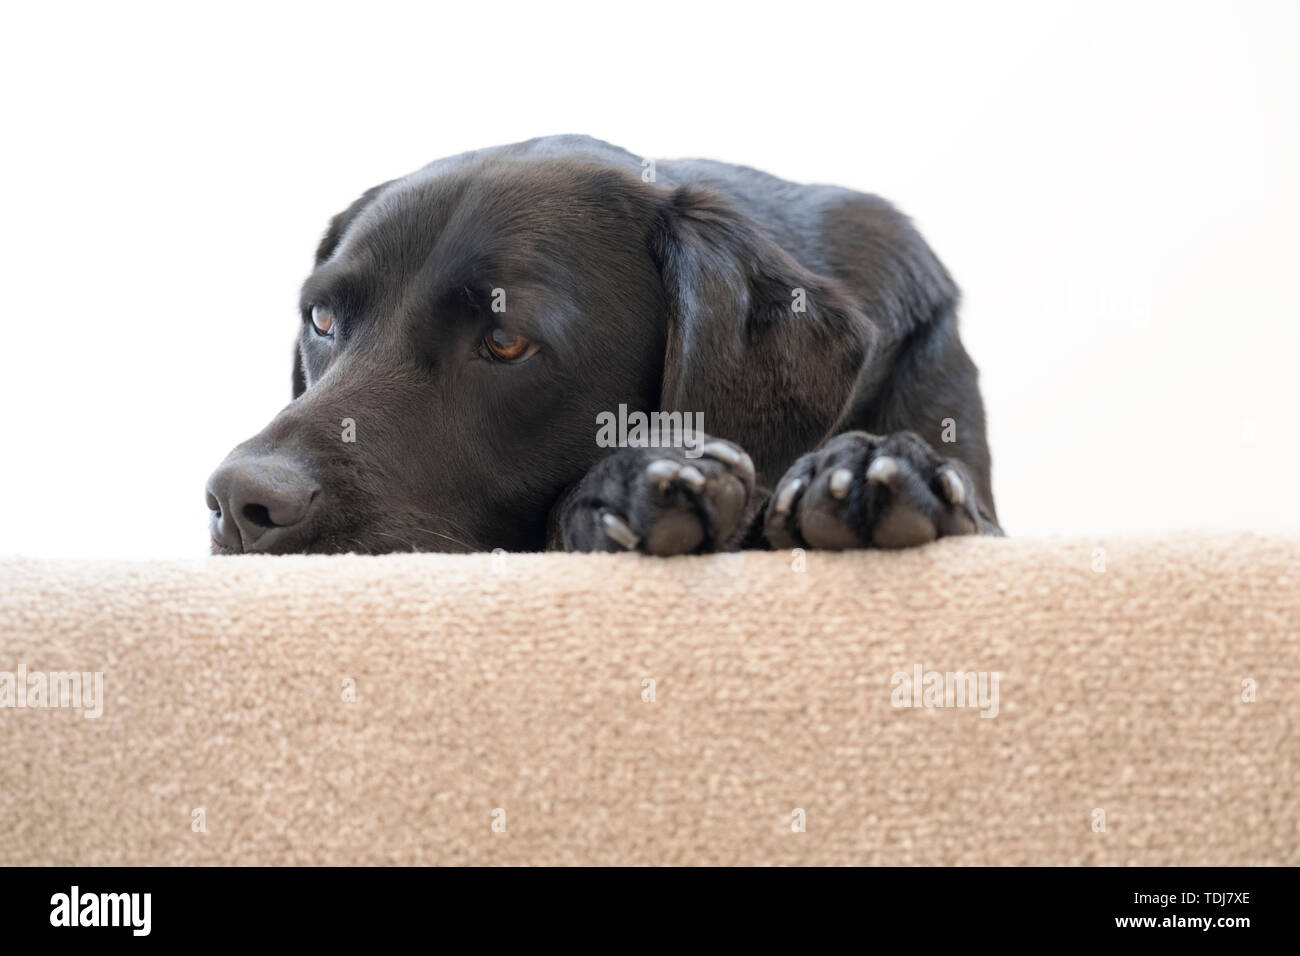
(513, 693)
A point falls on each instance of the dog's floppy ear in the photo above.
(766, 349)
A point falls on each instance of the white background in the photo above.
(1113, 185)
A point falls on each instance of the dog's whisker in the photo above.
(350, 543)
(447, 520)
(384, 534)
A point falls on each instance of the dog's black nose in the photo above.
(259, 503)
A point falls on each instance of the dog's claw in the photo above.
(618, 531)
(882, 471)
(840, 482)
(661, 472)
(785, 500)
(954, 488)
(692, 478)
(733, 457)
(724, 453)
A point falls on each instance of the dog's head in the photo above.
(465, 326)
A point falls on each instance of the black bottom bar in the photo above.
(1174, 906)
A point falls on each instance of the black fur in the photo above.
(678, 295)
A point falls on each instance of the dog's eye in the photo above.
(323, 319)
(508, 347)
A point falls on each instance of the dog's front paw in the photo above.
(861, 490)
(659, 501)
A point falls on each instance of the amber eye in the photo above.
(508, 347)
(323, 319)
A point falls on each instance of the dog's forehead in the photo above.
(484, 211)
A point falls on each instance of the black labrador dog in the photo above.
(488, 345)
